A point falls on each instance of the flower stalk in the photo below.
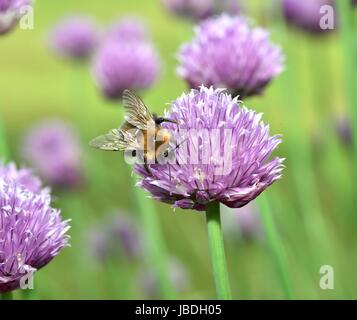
(6, 296)
(3, 145)
(347, 34)
(216, 250)
(4, 152)
(155, 245)
(275, 247)
(302, 162)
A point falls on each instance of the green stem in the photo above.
(28, 294)
(301, 161)
(216, 249)
(347, 33)
(80, 107)
(6, 296)
(154, 242)
(275, 246)
(4, 152)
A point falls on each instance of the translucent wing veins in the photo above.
(115, 140)
(136, 112)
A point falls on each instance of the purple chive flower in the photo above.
(223, 154)
(227, 52)
(74, 37)
(202, 9)
(128, 29)
(31, 233)
(22, 177)
(177, 274)
(10, 12)
(53, 149)
(306, 14)
(125, 65)
(244, 222)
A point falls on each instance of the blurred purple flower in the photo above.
(227, 52)
(128, 29)
(31, 233)
(306, 14)
(126, 234)
(232, 165)
(125, 65)
(74, 37)
(98, 244)
(202, 9)
(118, 237)
(23, 177)
(344, 130)
(178, 276)
(244, 222)
(10, 12)
(53, 148)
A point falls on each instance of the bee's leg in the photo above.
(147, 168)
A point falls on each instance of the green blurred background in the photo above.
(312, 205)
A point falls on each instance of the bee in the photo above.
(134, 135)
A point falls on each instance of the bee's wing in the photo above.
(115, 140)
(126, 126)
(136, 112)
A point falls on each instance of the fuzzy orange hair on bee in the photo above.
(141, 131)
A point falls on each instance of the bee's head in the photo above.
(159, 120)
